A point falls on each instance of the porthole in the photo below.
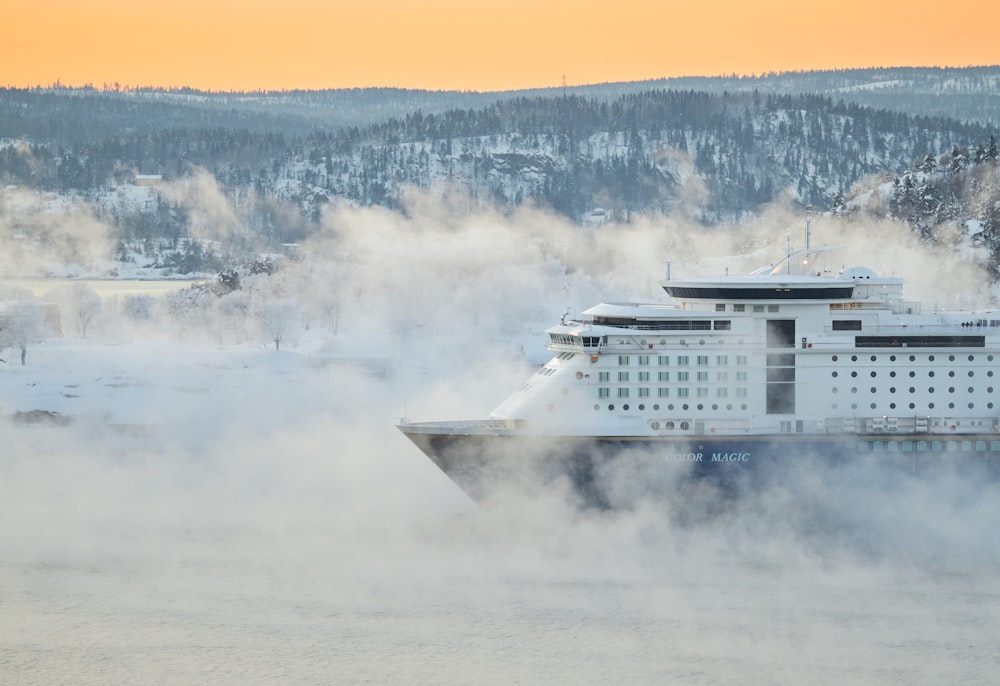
(971, 389)
(930, 390)
(912, 374)
(913, 358)
(670, 407)
(743, 406)
(912, 390)
(892, 358)
(596, 408)
(892, 374)
(951, 358)
(971, 405)
(892, 406)
(685, 426)
(625, 407)
(854, 358)
(874, 358)
(714, 406)
(611, 407)
(892, 389)
(700, 407)
(835, 389)
(951, 389)
(951, 373)
(834, 358)
(930, 357)
(972, 358)
(912, 406)
(684, 407)
(989, 358)
(854, 374)
(669, 426)
(930, 406)
(729, 406)
(654, 425)
(854, 406)
(701, 341)
(579, 375)
(989, 389)
(835, 375)
(872, 406)
(874, 374)
(854, 390)
(951, 406)
(971, 373)
(989, 406)
(989, 373)
(930, 374)
(642, 407)
(874, 390)
(656, 406)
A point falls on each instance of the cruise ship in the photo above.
(739, 377)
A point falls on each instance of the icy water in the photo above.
(353, 561)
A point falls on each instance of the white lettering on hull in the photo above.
(730, 457)
(685, 457)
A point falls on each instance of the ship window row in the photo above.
(682, 360)
(913, 389)
(664, 392)
(670, 424)
(907, 358)
(966, 446)
(680, 377)
(911, 406)
(931, 373)
(664, 324)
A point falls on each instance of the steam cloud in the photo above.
(273, 526)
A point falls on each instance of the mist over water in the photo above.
(272, 526)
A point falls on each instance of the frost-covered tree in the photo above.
(276, 319)
(22, 323)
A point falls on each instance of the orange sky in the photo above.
(473, 44)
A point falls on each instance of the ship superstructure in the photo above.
(749, 369)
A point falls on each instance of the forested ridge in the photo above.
(282, 160)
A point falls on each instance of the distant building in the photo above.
(148, 179)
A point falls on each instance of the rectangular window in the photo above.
(682, 376)
(663, 392)
(604, 377)
(663, 376)
(643, 392)
(623, 360)
(663, 360)
(722, 377)
(847, 325)
(720, 307)
(603, 392)
(741, 392)
(702, 376)
(643, 360)
(682, 392)
(682, 360)
(758, 308)
(772, 308)
(702, 360)
(722, 392)
(643, 376)
(722, 360)
(622, 392)
(741, 377)
(623, 376)
(741, 360)
(740, 307)
(702, 392)
(722, 325)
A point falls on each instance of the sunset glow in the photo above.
(466, 45)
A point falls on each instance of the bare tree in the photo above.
(277, 318)
(22, 323)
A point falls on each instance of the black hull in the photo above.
(596, 468)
